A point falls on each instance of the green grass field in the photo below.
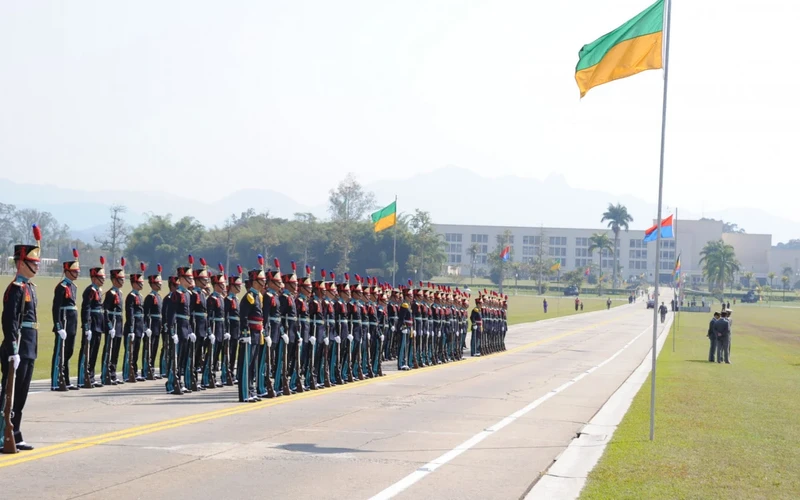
(722, 431)
(522, 309)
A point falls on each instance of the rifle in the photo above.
(106, 376)
(311, 376)
(130, 341)
(147, 366)
(62, 385)
(87, 377)
(9, 443)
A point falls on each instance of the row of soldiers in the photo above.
(287, 334)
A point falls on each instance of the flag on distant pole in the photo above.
(634, 47)
(666, 231)
(385, 217)
(677, 272)
(556, 266)
(505, 254)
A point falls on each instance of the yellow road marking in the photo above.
(87, 442)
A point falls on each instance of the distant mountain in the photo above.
(507, 201)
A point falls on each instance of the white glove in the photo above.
(337, 339)
(474, 328)
(326, 341)
(192, 337)
(14, 360)
(369, 337)
(392, 329)
(381, 338)
(430, 333)
(313, 340)
(212, 338)
(458, 333)
(269, 341)
(148, 332)
(246, 340)
(226, 336)
(88, 334)
(112, 333)
(62, 333)
(439, 334)
(285, 338)
(131, 336)
(175, 338)
(404, 331)
(350, 337)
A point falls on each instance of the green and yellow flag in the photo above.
(556, 266)
(385, 217)
(632, 48)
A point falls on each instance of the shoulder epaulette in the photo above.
(251, 299)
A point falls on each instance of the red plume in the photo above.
(260, 260)
(142, 266)
(221, 267)
(323, 274)
(277, 264)
(102, 261)
(239, 269)
(410, 283)
(75, 253)
(346, 277)
(37, 233)
(159, 268)
(191, 260)
(294, 267)
(308, 269)
(202, 262)
(333, 276)
(420, 284)
(358, 278)
(122, 262)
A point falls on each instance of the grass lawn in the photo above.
(722, 431)
(522, 309)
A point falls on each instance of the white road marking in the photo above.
(428, 468)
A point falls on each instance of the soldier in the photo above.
(320, 316)
(169, 354)
(65, 319)
(417, 308)
(219, 328)
(290, 325)
(306, 334)
(112, 305)
(381, 328)
(345, 335)
(92, 325)
(153, 321)
(363, 301)
(330, 305)
(354, 323)
(252, 366)
(133, 328)
(179, 320)
(392, 307)
(227, 373)
(279, 337)
(476, 318)
(200, 325)
(405, 323)
(20, 339)
(504, 319)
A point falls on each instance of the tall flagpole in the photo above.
(676, 285)
(668, 8)
(394, 244)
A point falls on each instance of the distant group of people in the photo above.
(719, 336)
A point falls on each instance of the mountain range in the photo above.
(505, 201)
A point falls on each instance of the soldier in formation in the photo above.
(287, 334)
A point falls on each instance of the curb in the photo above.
(567, 476)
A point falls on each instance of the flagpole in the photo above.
(677, 280)
(394, 244)
(658, 223)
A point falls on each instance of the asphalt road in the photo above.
(481, 428)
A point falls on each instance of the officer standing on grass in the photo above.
(712, 338)
(723, 331)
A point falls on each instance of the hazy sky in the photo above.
(203, 98)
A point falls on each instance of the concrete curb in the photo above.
(566, 477)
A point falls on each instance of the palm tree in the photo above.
(771, 277)
(787, 270)
(618, 219)
(748, 276)
(719, 263)
(785, 280)
(472, 251)
(600, 242)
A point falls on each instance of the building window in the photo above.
(581, 242)
(455, 259)
(581, 263)
(530, 240)
(529, 251)
(455, 248)
(581, 252)
(557, 251)
(480, 238)
(452, 237)
(637, 243)
(558, 240)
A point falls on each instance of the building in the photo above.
(570, 247)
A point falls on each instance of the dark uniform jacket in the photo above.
(232, 313)
(199, 310)
(65, 311)
(20, 332)
(112, 303)
(134, 314)
(93, 316)
(251, 316)
(178, 313)
(152, 312)
(216, 315)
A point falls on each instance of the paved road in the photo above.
(482, 428)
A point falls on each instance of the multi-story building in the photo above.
(570, 247)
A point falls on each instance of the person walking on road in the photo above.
(608, 303)
(663, 310)
(544, 305)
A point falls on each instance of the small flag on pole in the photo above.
(505, 254)
(677, 272)
(666, 231)
(556, 266)
(587, 271)
(385, 217)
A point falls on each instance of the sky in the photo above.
(203, 98)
